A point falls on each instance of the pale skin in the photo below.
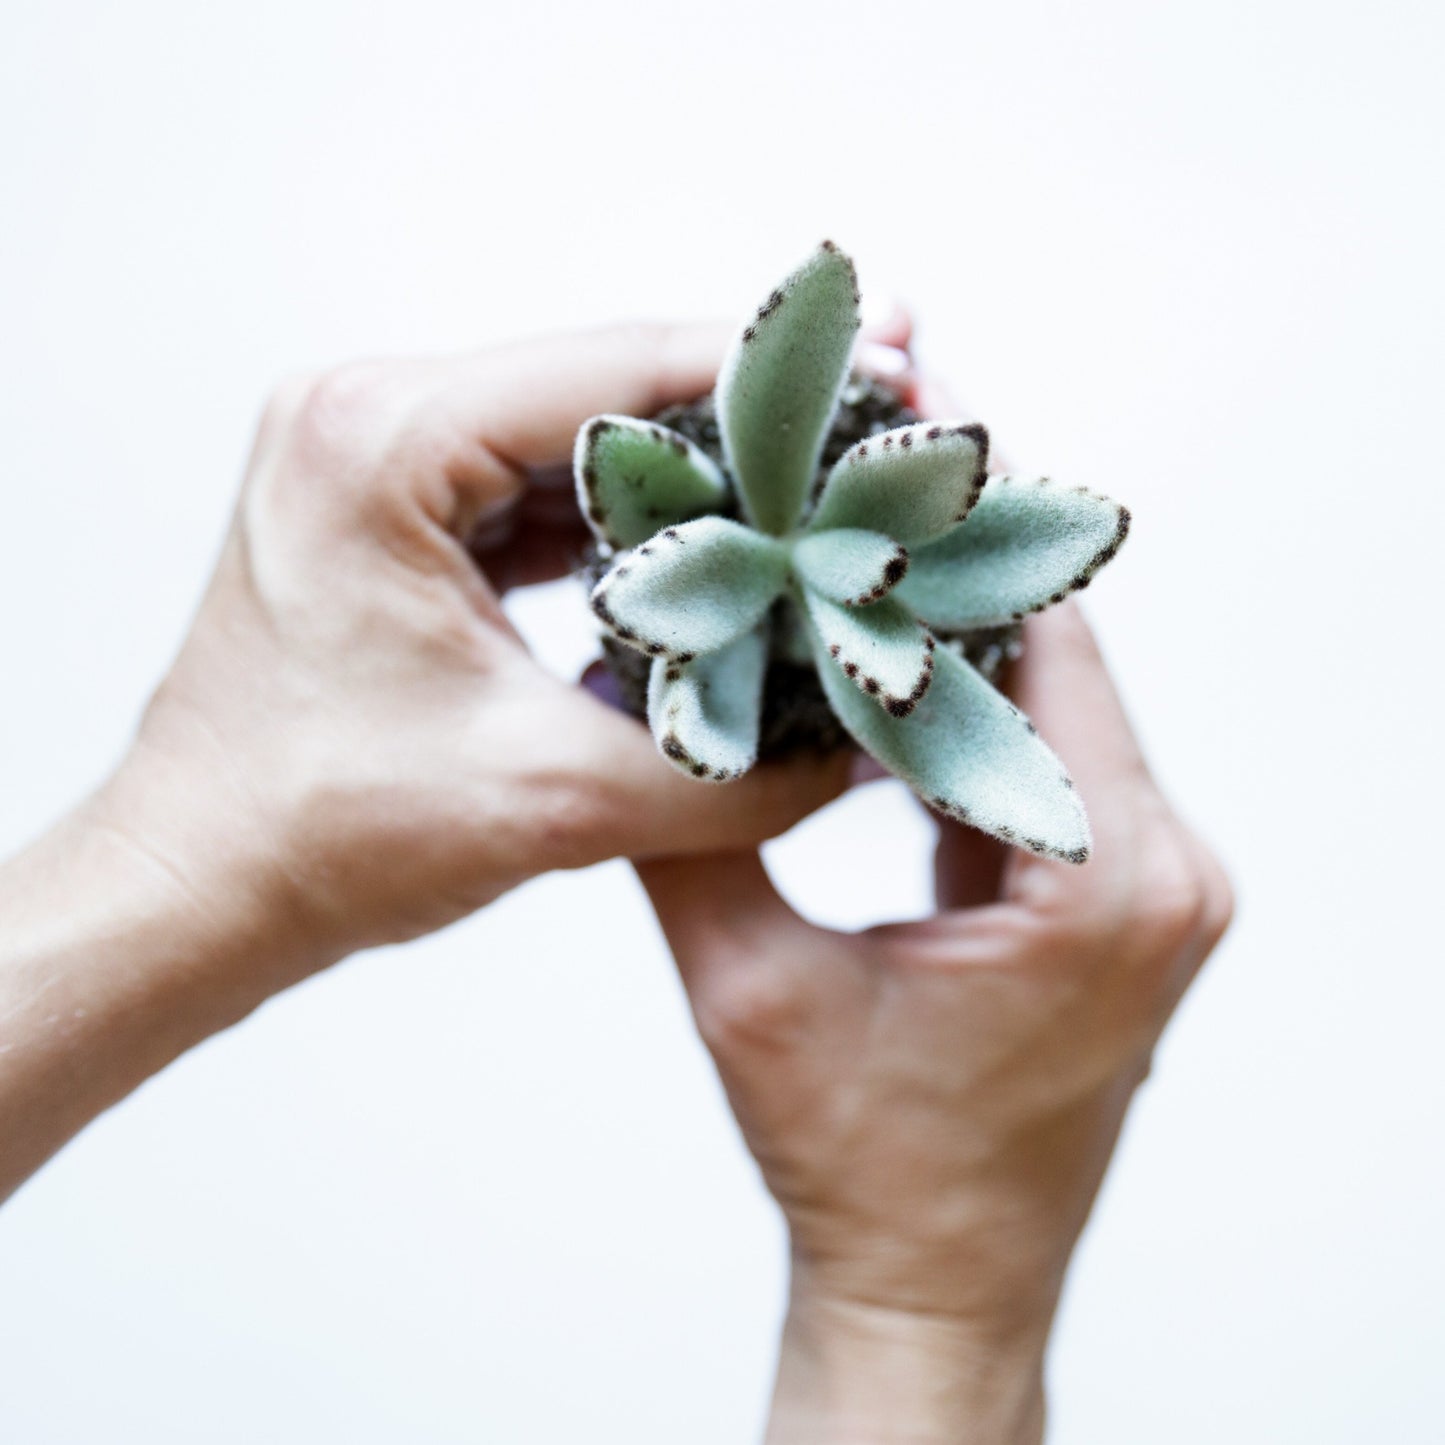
(354, 747)
(933, 1104)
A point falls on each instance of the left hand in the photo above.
(353, 711)
(354, 745)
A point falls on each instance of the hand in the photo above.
(352, 694)
(354, 746)
(933, 1104)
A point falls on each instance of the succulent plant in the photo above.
(875, 570)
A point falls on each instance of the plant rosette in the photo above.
(873, 571)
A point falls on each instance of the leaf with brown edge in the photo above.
(912, 483)
(692, 588)
(779, 385)
(882, 650)
(705, 713)
(1026, 544)
(636, 477)
(972, 755)
(850, 566)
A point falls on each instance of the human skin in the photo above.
(354, 746)
(933, 1104)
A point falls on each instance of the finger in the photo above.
(1063, 685)
(701, 817)
(654, 810)
(967, 866)
(518, 407)
(530, 540)
(523, 554)
(551, 494)
(722, 916)
(639, 805)
(849, 767)
(535, 537)
(759, 978)
(527, 400)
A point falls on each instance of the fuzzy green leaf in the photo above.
(779, 386)
(969, 753)
(692, 588)
(1025, 544)
(912, 483)
(704, 713)
(849, 565)
(634, 477)
(882, 650)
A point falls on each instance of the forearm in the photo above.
(856, 1374)
(118, 952)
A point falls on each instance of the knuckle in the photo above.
(1140, 940)
(285, 402)
(344, 402)
(1219, 901)
(1160, 908)
(325, 424)
(1184, 905)
(1170, 907)
(357, 441)
(569, 822)
(748, 1005)
(1191, 898)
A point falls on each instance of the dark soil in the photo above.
(795, 711)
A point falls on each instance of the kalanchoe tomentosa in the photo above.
(904, 547)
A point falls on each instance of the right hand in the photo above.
(933, 1104)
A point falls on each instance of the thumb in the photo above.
(651, 809)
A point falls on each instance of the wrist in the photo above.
(852, 1372)
(176, 837)
(136, 928)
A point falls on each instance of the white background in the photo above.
(485, 1188)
